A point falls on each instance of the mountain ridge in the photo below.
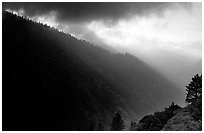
(49, 72)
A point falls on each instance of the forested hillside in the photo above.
(53, 81)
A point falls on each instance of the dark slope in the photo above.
(46, 87)
(52, 81)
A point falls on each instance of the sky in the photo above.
(168, 36)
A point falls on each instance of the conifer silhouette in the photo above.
(117, 123)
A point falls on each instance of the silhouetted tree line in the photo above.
(157, 121)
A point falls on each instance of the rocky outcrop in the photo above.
(183, 121)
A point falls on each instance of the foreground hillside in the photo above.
(175, 118)
(52, 81)
(183, 121)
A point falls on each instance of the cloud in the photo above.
(111, 12)
(177, 31)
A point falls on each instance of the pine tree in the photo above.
(117, 123)
(194, 89)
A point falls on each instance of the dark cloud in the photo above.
(82, 12)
